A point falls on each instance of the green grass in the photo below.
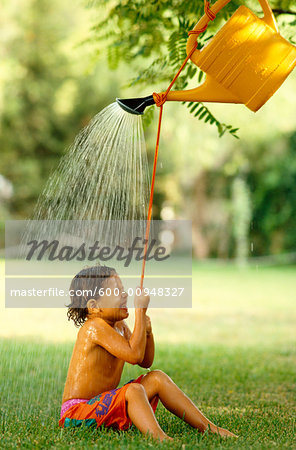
(251, 393)
(234, 354)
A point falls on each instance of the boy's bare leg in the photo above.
(140, 412)
(158, 383)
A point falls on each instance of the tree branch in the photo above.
(283, 11)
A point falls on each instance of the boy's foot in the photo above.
(225, 433)
(167, 438)
(161, 438)
(222, 431)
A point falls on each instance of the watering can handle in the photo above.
(204, 20)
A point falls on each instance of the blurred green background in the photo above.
(63, 61)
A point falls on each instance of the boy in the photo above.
(104, 343)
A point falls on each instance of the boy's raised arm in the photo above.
(133, 350)
(149, 351)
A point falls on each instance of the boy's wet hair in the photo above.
(84, 286)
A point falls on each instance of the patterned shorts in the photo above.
(108, 408)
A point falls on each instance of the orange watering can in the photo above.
(245, 62)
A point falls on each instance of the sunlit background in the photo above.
(239, 193)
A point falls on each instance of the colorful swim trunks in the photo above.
(108, 408)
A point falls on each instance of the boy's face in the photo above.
(113, 303)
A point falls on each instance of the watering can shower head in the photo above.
(245, 62)
(136, 105)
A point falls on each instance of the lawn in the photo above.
(233, 354)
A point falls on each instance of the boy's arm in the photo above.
(149, 349)
(132, 350)
(149, 352)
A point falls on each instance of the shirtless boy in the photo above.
(104, 343)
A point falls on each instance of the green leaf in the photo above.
(200, 76)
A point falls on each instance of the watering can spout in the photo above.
(135, 105)
(209, 91)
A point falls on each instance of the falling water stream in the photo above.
(103, 177)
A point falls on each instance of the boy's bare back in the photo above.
(85, 377)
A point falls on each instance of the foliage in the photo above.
(134, 31)
(45, 99)
(241, 218)
(30, 128)
(41, 90)
(274, 203)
